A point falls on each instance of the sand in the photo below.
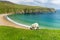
(5, 22)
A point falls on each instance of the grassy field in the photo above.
(9, 33)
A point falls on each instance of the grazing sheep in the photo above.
(35, 26)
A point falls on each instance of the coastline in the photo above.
(9, 19)
(19, 24)
(5, 22)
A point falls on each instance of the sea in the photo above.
(45, 20)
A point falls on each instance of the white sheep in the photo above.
(34, 26)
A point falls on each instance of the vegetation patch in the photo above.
(9, 33)
(9, 7)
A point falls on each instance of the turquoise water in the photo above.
(49, 20)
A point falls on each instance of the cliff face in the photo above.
(37, 11)
(7, 7)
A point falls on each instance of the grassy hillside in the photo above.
(7, 7)
(9, 33)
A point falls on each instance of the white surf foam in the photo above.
(16, 22)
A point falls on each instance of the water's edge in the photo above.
(9, 19)
(27, 26)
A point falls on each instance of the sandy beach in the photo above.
(5, 22)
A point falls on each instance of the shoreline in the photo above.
(9, 19)
(41, 27)
(5, 22)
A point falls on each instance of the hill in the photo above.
(9, 33)
(7, 7)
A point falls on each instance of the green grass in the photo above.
(9, 33)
